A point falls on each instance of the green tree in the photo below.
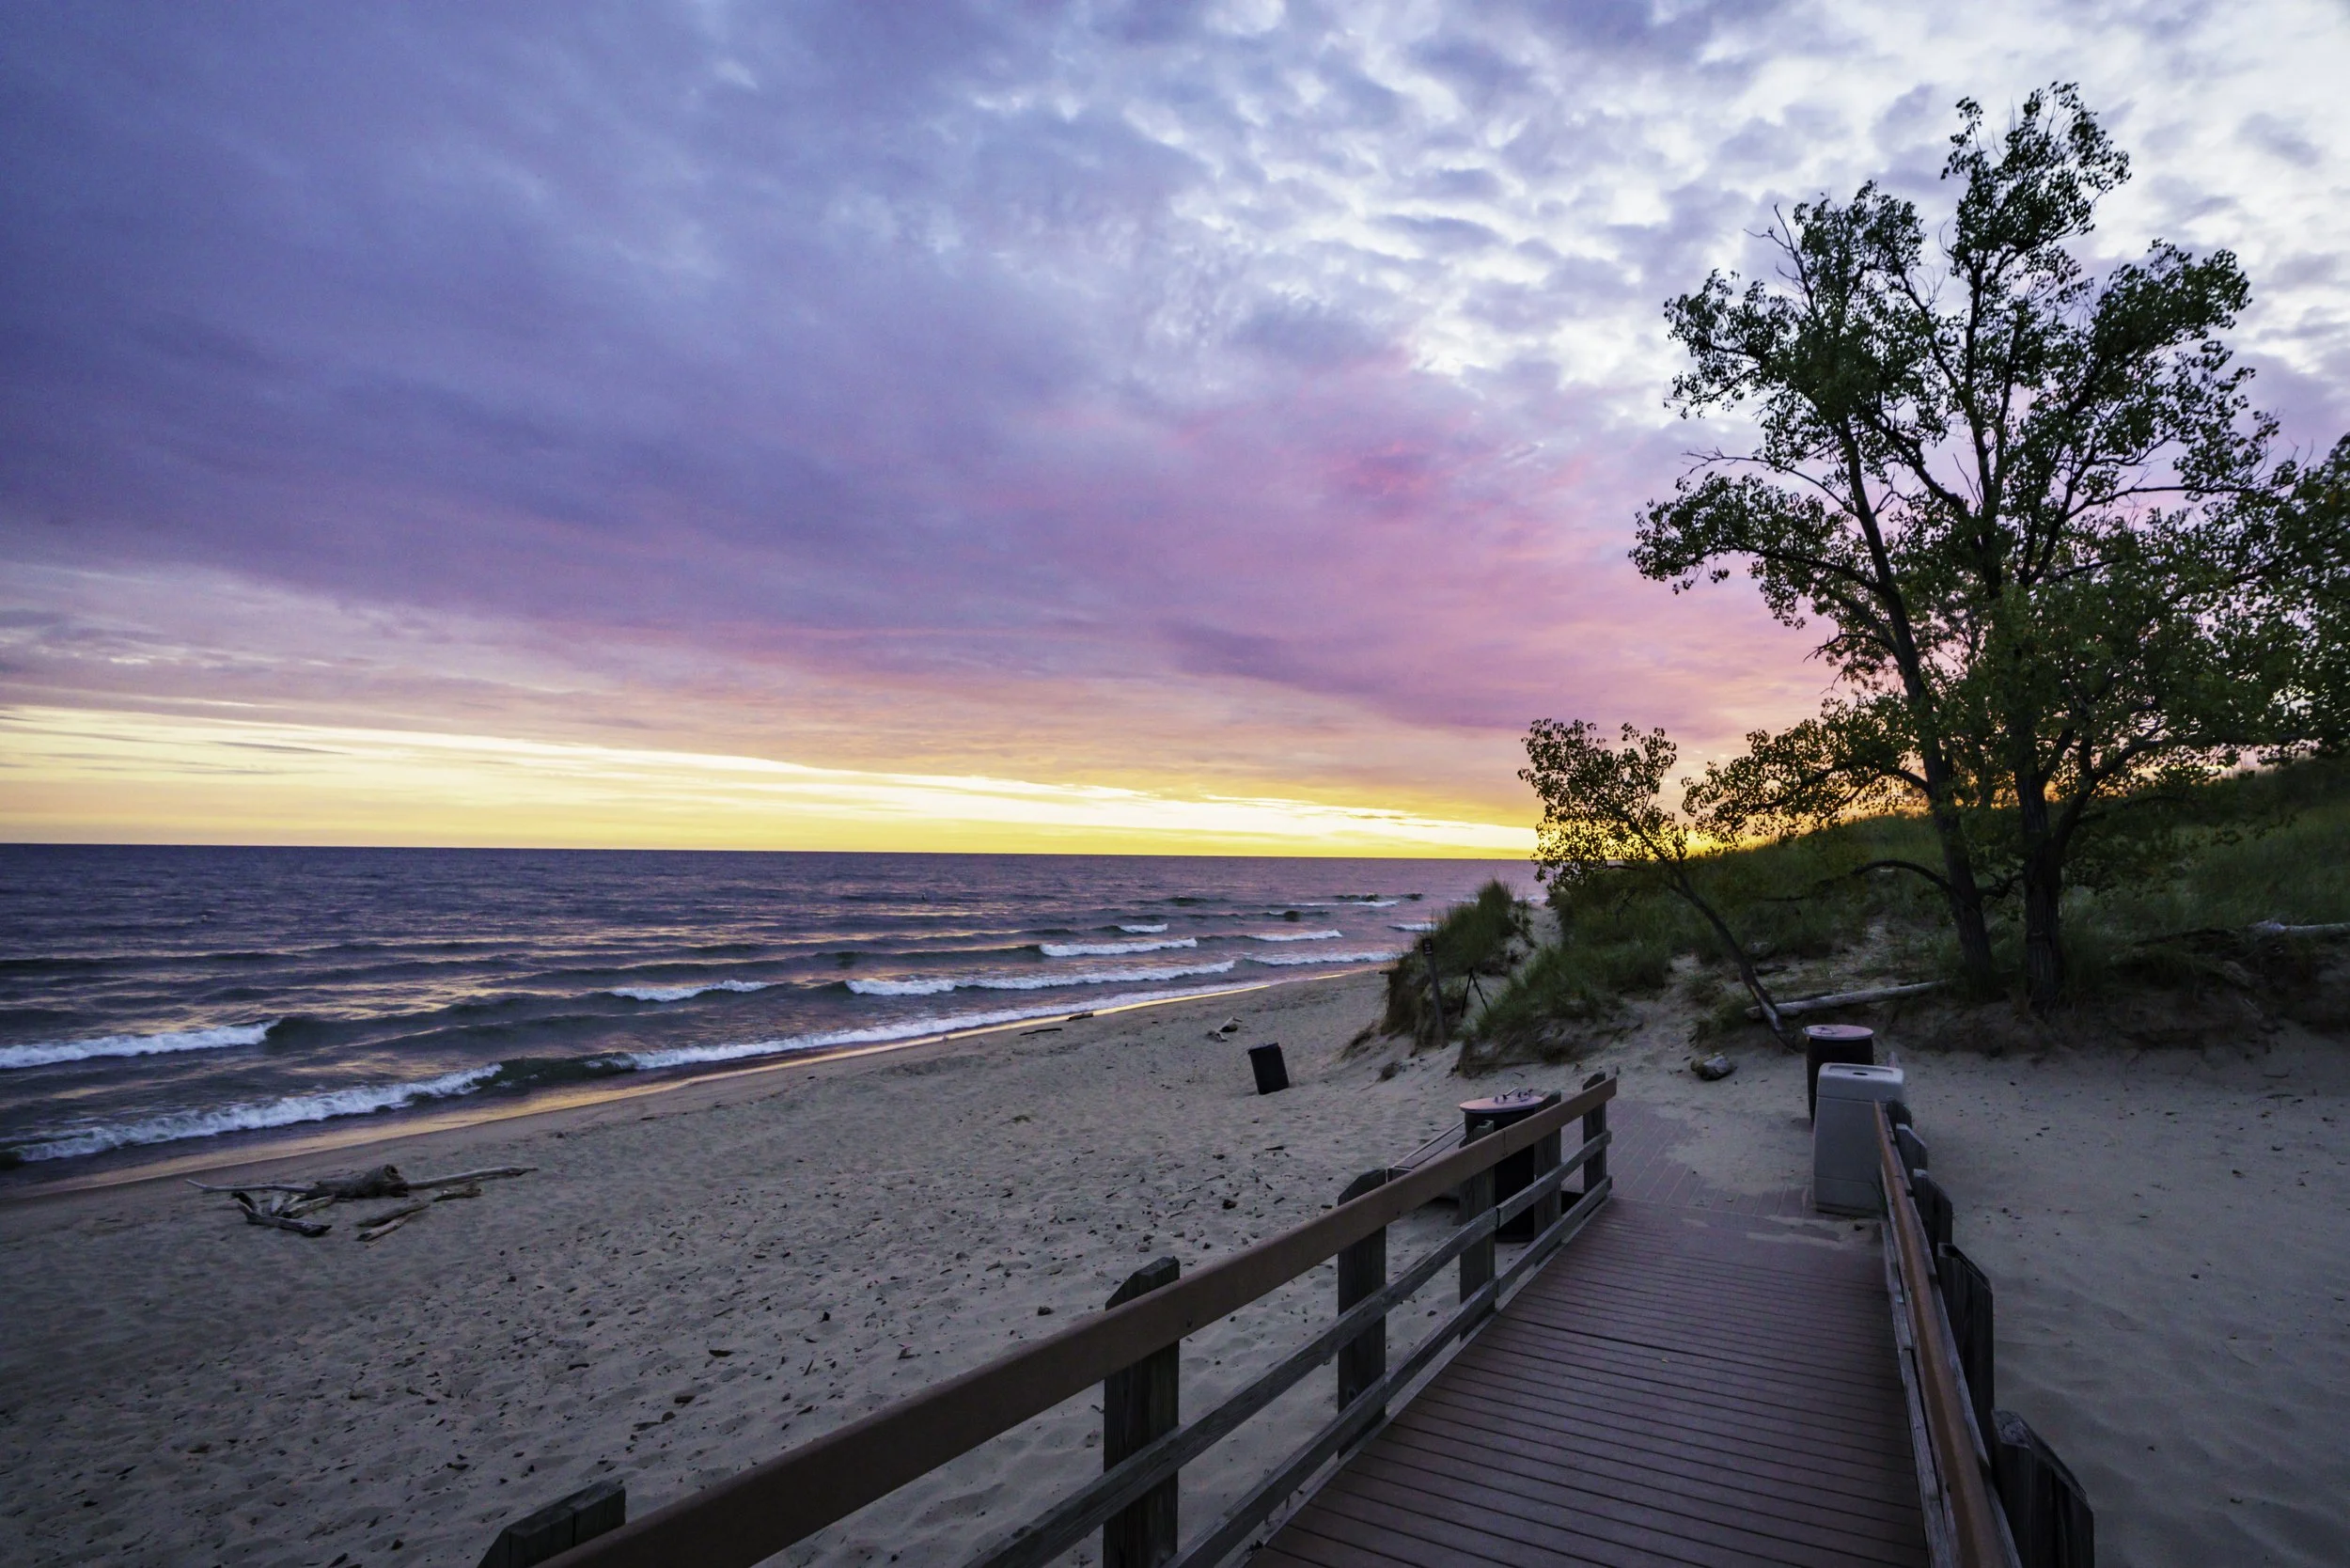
(2032, 508)
(1603, 822)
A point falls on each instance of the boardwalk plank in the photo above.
(1669, 1390)
(1569, 1499)
(1547, 1454)
(1678, 1458)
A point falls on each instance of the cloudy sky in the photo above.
(923, 425)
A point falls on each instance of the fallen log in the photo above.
(1847, 999)
(385, 1181)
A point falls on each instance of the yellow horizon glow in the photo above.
(74, 776)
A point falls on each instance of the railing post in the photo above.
(1140, 1404)
(1546, 1157)
(1363, 1272)
(1594, 1123)
(1477, 1199)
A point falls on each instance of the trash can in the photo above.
(1827, 1042)
(1272, 1074)
(1844, 1170)
(1512, 1176)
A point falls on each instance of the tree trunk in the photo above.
(2043, 895)
(1966, 901)
(1752, 981)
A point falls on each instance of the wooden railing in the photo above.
(1963, 1520)
(1994, 1494)
(1130, 1348)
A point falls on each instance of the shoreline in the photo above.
(266, 1148)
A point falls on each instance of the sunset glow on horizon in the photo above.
(1119, 427)
(147, 778)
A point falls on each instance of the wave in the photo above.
(254, 1116)
(47, 1052)
(877, 1034)
(1145, 930)
(1110, 949)
(1293, 935)
(1414, 925)
(1285, 960)
(679, 993)
(902, 988)
(939, 986)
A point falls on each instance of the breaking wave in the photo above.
(254, 1116)
(679, 993)
(46, 1052)
(1110, 949)
(877, 1034)
(940, 985)
(1295, 936)
(1285, 960)
(1145, 930)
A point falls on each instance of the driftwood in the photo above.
(1847, 999)
(285, 1203)
(385, 1181)
(278, 1219)
(385, 1223)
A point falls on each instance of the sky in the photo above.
(1114, 427)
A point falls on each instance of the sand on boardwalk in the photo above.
(696, 1280)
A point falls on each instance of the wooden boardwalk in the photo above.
(1686, 1383)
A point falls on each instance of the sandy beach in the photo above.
(692, 1281)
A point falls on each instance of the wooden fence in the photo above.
(1131, 1350)
(1995, 1495)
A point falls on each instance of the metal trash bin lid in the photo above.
(1852, 1080)
(1515, 1106)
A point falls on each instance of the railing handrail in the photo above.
(751, 1515)
(1979, 1537)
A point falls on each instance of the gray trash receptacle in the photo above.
(1844, 1136)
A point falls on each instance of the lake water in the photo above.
(157, 996)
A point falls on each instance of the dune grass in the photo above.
(2273, 845)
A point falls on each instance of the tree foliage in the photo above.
(2029, 508)
(1603, 820)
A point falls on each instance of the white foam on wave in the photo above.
(680, 993)
(1414, 925)
(50, 1050)
(1284, 959)
(1111, 949)
(1146, 931)
(1293, 935)
(882, 1034)
(252, 1116)
(939, 985)
(901, 988)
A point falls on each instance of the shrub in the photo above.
(1485, 936)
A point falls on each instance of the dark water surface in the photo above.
(152, 995)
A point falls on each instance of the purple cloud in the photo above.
(1153, 379)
